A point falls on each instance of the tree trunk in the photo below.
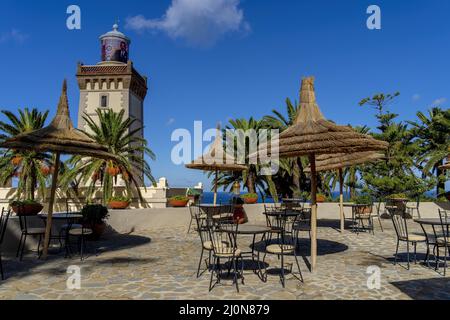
(440, 187)
(251, 183)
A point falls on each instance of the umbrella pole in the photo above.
(312, 160)
(341, 199)
(215, 189)
(48, 227)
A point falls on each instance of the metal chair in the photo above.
(223, 237)
(272, 221)
(82, 233)
(303, 223)
(443, 240)
(192, 213)
(25, 232)
(411, 207)
(203, 233)
(4, 217)
(399, 220)
(285, 246)
(359, 215)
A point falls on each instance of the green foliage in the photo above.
(120, 199)
(94, 214)
(17, 203)
(249, 196)
(120, 135)
(179, 198)
(28, 169)
(363, 199)
(191, 192)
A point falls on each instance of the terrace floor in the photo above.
(161, 264)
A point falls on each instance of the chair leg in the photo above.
(200, 263)
(81, 248)
(212, 275)
(1, 267)
(235, 274)
(407, 252)
(20, 245)
(298, 266)
(437, 258)
(445, 259)
(39, 247)
(415, 252)
(23, 247)
(381, 225)
(190, 225)
(282, 272)
(396, 253)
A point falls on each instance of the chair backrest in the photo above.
(202, 224)
(444, 215)
(271, 211)
(286, 223)
(4, 218)
(398, 217)
(223, 236)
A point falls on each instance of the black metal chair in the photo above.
(223, 237)
(359, 216)
(27, 231)
(4, 217)
(81, 233)
(412, 207)
(285, 246)
(399, 220)
(202, 230)
(192, 213)
(442, 240)
(272, 221)
(303, 223)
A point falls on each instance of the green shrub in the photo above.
(18, 203)
(120, 199)
(191, 192)
(179, 198)
(363, 199)
(249, 196)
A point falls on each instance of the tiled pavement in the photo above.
(161, 264)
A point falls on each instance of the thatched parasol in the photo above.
(59, 137)
(216, 160)
(313, 135)
(338, 162)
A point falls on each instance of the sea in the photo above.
(225, 197)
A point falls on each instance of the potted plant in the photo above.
(320, 198)
(193, 195)
(119, 202)
(250, 198)
(179, 201)
(94, 217)
(26, 207)
(365, 202)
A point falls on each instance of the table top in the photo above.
(433, 221)
(351, 205)
(250, 229)
(62, 216)
(288, 213)
(211, 205)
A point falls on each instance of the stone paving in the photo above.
(161, 264)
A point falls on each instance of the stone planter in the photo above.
(28, 209)
(363, 210)
(320, 199)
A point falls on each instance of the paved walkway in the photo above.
(161, 264)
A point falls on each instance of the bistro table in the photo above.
(251, 230)
(215, 211)
(355, 222)
(433, 222)
(61, 216)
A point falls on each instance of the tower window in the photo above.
(104, 101)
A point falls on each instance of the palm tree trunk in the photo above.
(440, 187)
(251, 183)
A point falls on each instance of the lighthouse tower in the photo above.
(113, 83)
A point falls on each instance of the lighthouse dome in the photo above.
(115, 46)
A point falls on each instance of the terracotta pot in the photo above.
(364, 210)
(178, 203)
(98, 229)
(16, 161)
(320, 199)
(251, 200)
(119, 204)
(28, 209)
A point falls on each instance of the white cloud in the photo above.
(170, 121)
(416, 97)
(439, 102)
(13, 35)
(198, 22)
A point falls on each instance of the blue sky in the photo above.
(242, 59)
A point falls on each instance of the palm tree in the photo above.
(30, 167)
(433, 139)
(290, 168)
(114, 131)
(250, 178)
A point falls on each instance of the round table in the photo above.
(60, 216)
(288, 213)
(433, 221)
(253, 230)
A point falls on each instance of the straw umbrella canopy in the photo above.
(216, 160)
(340, 161)
(60, 137)
(313, 135)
